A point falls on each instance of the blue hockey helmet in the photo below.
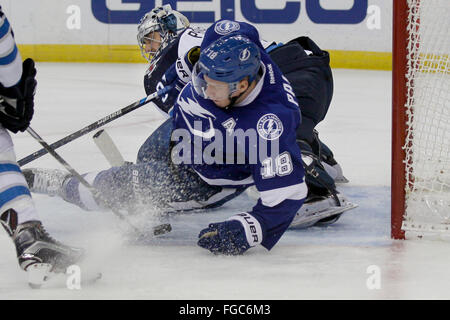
(229, 59)
(225, 27)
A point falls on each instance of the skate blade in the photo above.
(40, 276)
(308, 220)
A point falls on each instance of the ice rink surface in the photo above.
(337, 262)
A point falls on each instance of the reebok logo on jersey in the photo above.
(271, 73)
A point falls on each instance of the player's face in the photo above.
(219, 92)
(152, 42)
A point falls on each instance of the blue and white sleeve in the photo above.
(10, 59)
(14, 192)
(280, 181)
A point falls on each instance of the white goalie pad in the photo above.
(335, 172)
(311, 213)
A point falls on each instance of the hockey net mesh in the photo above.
(427, 144)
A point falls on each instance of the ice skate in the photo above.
(38, 253)
(45, 181)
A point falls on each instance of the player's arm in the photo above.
(174, 68)
(180, 72)
(280, 181)
(17, 82)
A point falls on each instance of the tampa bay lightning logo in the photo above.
(226, 26)
(269, 127)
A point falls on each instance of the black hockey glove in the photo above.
(17, 102)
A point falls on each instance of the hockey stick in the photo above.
(95, 125)
(108, 148)
(97, 195)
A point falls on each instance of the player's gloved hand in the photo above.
(226, 237)
(17, 102)
(180, 72)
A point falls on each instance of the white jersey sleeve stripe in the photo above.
(86, 197)
(24, 207)
(274, 197)
(253, 230)
(5, 28)
(10, 74)
(11, 179)
(7, 44)
(10, 59)
(189, 38)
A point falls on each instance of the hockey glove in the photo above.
(224, 238)
(17, 102)
(180, 72)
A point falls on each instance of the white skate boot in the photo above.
(46, 181)
(38, 253)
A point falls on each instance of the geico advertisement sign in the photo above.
(103, 12)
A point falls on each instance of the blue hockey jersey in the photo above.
(251, 143)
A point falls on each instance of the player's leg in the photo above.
(198, 193)
(311, 78)
(19, 217)
(327, 159)
(157, 145)
(59, 182)
(153, 180)
(324, 204)
(155, 183)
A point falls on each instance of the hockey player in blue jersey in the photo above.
(261, 102)
(18, 214)
(171, 46)
(237, 87)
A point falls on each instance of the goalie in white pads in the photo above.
(36, 250)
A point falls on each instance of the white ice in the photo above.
(336, 262)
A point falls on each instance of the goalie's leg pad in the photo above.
(327, 159)
(321, 211)
(157, 145)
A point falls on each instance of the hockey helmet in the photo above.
(228, 59)
(166, 22)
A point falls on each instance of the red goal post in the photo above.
(420, 185)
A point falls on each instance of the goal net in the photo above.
(421, 123)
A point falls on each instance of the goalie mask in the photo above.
(157, 29)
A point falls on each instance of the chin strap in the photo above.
(234, 99)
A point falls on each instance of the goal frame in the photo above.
(399, 98)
